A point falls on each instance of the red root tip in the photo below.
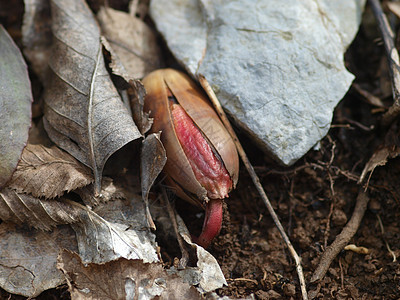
(212, 223)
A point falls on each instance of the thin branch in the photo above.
(206, 86)
(393, 60)
(343, 238)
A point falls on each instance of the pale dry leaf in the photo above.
(122, 279)
(116, 229)
(15, 105)
(28, 258)
(48, 172)
(394, 7)
(84, 114)
(132, 40)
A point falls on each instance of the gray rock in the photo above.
(276, 66)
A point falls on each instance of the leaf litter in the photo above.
(249, 249)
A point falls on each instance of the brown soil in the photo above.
(314, 199)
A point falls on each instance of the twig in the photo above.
(393, 60)
(206, 86)
(343, 238)
(383, 235)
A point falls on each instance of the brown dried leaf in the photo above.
(15, 105)
(122, 234)
(135, 90)
(28, 258)
(84, 114)
(37, 213)
(122, 279)
(36, 35)
(153, 158)
(109, 191)
(132, 40)
(48, 172)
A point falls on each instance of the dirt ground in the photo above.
(314, 200)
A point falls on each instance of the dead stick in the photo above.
(393, 60)
(343, 238)
(206, 86)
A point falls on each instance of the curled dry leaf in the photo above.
(28, 258)
(122, 279)
(132, 40)
(379, 158)
(15, 105)
(84, 114)
(152, 159)
(135, 90)
(48, 172)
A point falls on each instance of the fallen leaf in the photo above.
(36, 35)
(153, 158)
(28, 258)
(135, 90)
(116, 229)
(394, 8)
(379, 158)
(122, 279)
(132, 40)
(137, 94)
(205, 271)
(109, 191)
(84, 114)
(37, 213)
(15, 105)
(122, 234)
(48, 172)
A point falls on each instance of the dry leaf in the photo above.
(36, 213)
(109, 191)
(132, 40)
(122, 279)
(116, 229)
(206, 274)
(84, 114)
(15, 105)
(48, 172)
(153, 159)
(394, 7)
(135, 90)
(28, 258)
(36, 35)
(137, 94)
(379, 158)
(123, 231)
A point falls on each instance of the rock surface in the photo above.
(276, 66)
